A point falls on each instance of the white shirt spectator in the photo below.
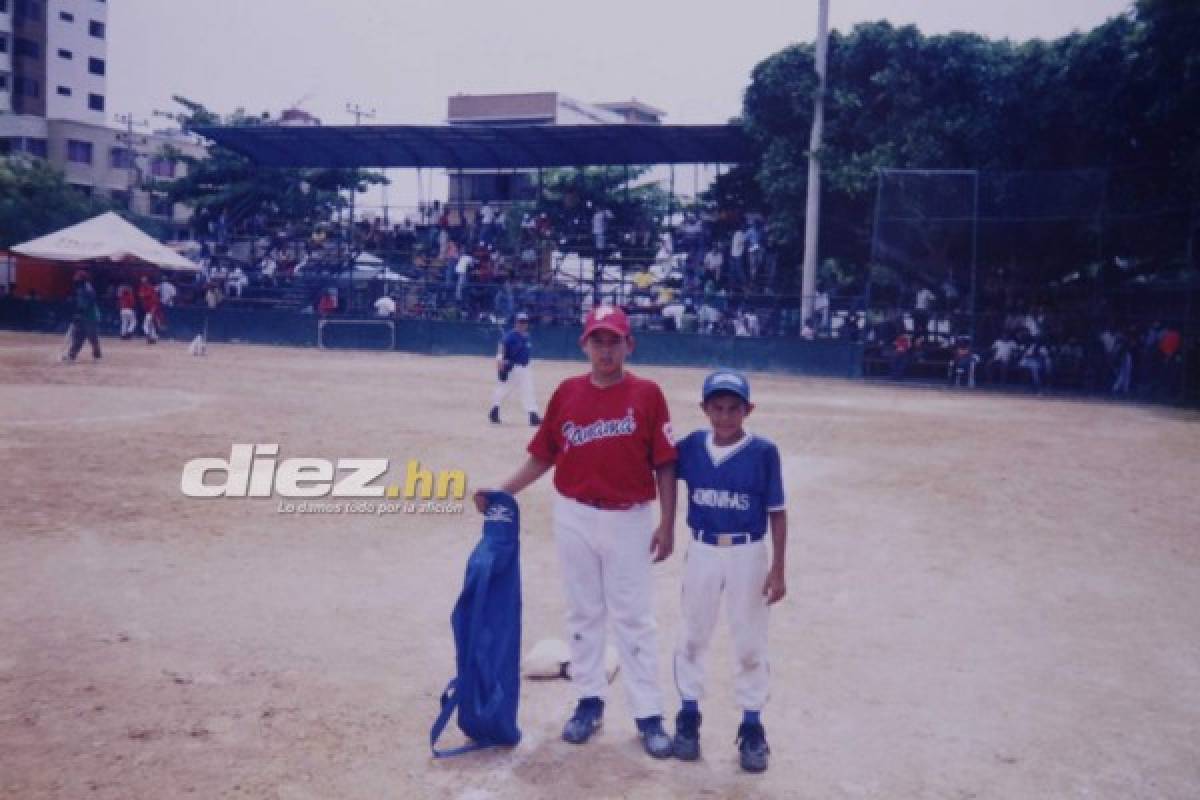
(713, 261)
(487, 214)
(463, 266)
(924, 299)
(1109, 340)
(708, 316)
(385, 307)
(166, 292)
(821, 305)
(1032, 325)
(745, 324)
(237, 281)
(674, 311)
(268, 267)
(600, 220)
(1003, 349)
(737, 248)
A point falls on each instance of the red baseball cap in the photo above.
(608, 318)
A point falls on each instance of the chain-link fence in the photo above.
(1079, 279)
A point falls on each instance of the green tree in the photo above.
(35, 199)
(227, 183)
(1124, 97)
(571, 196)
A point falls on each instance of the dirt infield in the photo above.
(990, 597)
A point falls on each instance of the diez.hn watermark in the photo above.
(353, 485)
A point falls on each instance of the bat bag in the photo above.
(487, 637)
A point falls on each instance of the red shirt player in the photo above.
(127, 304)
(607, 434)
(148, 297)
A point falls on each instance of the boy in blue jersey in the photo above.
(735, 487)
(513, 367)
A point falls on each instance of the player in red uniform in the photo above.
(148, 297)
(607, 434)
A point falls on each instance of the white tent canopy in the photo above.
(104, 237)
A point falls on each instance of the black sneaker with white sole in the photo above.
(655, 740)
(588, 716)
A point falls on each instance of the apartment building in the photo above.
(54, 105)
(470, 187)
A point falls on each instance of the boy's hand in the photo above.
(774, 587)
(480, 498)
(663, 543)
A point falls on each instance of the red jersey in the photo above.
(148, 296)
(125, 298)
(605, 442)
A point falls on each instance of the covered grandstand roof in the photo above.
(483, 146)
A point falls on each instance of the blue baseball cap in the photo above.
(726, 380)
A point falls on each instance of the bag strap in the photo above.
(449, 703)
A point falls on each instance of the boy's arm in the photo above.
(527, 473)
(775, 587)
(663, 543)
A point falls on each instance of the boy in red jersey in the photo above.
(608, 436)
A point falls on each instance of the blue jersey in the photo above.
(734, 493)
(516, 348)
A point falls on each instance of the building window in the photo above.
(3, 44)
(96, 29)
(83, 189)
(79, 152)
(120, 158)
(162, 167)
(64, 91)
(96, 102)
(36, 147)
(3, 6)
(96, 66)
(65, 54)
(3, 82)
(27, 48)
(66, 16)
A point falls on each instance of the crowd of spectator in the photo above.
(1032, 347)
(693, 271)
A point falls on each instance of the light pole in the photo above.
(359, 112)
(812, 208)
(127, 139)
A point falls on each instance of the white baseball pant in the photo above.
(128, 321)
(738, 572)
(605, 557)
(148, 327)
(522, 376)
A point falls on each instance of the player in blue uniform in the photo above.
(512, 366)
(735, 487)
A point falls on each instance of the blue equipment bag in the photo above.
(487, 637)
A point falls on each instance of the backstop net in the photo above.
(1088, 262)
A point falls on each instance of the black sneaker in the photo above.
(586, 720)
(686, 745)
(654, 739)
(534, 419)
(752, 747)
(494, 415)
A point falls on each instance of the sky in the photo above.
(403, 58)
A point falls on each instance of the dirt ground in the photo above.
(989, 596)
